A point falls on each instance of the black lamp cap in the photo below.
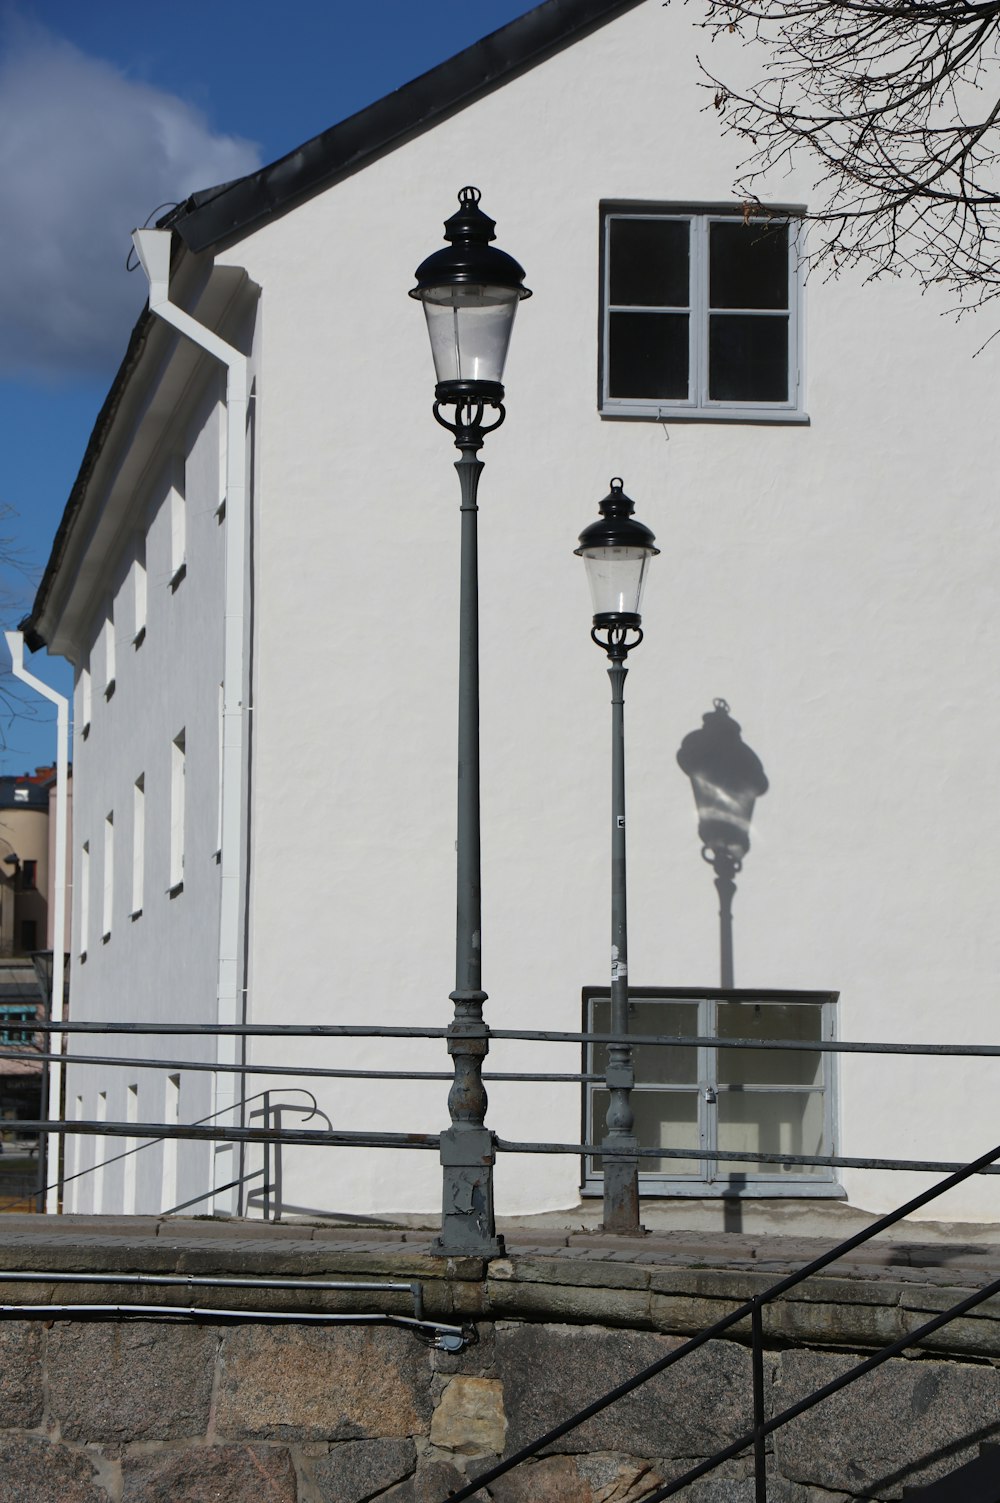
(470, 259)
(617, 527)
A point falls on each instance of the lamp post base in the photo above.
(621, 1189)
(467, 1224)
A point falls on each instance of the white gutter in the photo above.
(15, 642)
(153, 249)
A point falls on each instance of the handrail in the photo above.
(136, 1130)
(742, 1312)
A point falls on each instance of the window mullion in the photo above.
(707, 1077)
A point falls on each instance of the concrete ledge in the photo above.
(672, 1284)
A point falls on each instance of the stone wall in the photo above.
(104, 1410)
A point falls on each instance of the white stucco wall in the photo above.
(834, 582)
(159, 966)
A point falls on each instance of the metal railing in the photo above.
(278, 1135)
(264, 1125)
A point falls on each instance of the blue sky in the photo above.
(108, 109)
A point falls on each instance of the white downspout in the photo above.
(15, 642)
(153, 249)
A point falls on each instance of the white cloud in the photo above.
(86, 154)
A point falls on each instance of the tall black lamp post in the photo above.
(727, 778)
(470, 291)
(616, 550)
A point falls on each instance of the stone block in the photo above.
(329, 1383)
(118, 1382)
(577, 1479)
(549, 1372)
(22, 1399)
(617, 1307)
(470, 1417)
(732, 1490)
(35, 1472)
(211, 1474)
(433, 1482)
(906, 1423)
(360, 1469)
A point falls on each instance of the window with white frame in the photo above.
(698, 1098)
(701, 313)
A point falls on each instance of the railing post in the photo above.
(759, 1417)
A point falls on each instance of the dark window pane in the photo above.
(747, 358)
(769, 1020)
(748, 265)
(657, 1063)
(649, 262)
(648, 355)
(778, 1122)
(663, 1119)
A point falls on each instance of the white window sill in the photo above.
(175, 889)
(651, 413)
(109, 689)
(139, 638)
(178, 574)
(135, 914)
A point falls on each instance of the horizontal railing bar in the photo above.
(529, 1035)
(304, 1136)
(334, 1137)
(129, 1061)
(761, 1156)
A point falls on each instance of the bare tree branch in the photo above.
(898, 102)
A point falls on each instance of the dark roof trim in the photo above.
(227, 212)
(100, 432)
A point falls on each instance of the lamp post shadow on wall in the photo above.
(727, 778)
(470, 290)
(616, 550)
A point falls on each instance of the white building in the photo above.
(821, 474)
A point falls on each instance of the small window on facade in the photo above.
(223, 431)
(85, 701)
(139, 593)
(21, 795)
(138, 843)
(178, 757)
(699, 1099)
(700, 314)
(178, 523)
(29, 875)
(29, 936)
(109, 874)
(109, 652)
(84, 897)
(13, 1017)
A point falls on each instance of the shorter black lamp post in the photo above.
(616, 550)
(727, 778)
(470, 291)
